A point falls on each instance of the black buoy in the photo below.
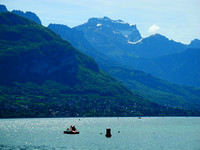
(108, 133)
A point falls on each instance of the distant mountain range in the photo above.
(155, 89)
(30, 63)
(77, 39)
(42, 75)
(110, 37)
(177, 71)
(157, 46)
(144, 84)
(143, 54)
(118, 39)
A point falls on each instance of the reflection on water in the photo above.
(127, 133)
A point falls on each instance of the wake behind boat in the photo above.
(71, 130)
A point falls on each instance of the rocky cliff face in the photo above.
(110, 37)
(126, 30)
(119, 40)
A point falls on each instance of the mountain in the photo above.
(3, 8)
(154, 89)
(194, 44)
(110, 37)
(119, 40)
(77, 39)
(29, 15)
(145, 54)
(157, 46)
(42, 75)
(179, 68)
(126, 30)
(182, 68)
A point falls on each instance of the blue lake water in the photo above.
(147, 133)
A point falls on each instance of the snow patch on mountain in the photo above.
(135, 42)
(119, 21)
(115, 32)
(125, 32)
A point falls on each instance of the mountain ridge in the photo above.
(178, 68)
(140, 55)
(144, 84)
(74, 86)
(3, 8)
(108, 36)
(157, 45)
(28, 14)
(120, 26)
(94, 53)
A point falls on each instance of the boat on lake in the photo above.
(71, 130)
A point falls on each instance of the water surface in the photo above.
(147, 133)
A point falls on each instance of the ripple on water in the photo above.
(127, 133)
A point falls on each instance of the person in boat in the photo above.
(70, 128)
(73, 128)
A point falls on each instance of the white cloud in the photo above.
(154, 28)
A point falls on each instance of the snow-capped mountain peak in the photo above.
(108, 26)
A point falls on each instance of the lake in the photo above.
(147, 133)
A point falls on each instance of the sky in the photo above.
(178, 20)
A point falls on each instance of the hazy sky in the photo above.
(176, 19)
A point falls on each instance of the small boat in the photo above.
(71, 130)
